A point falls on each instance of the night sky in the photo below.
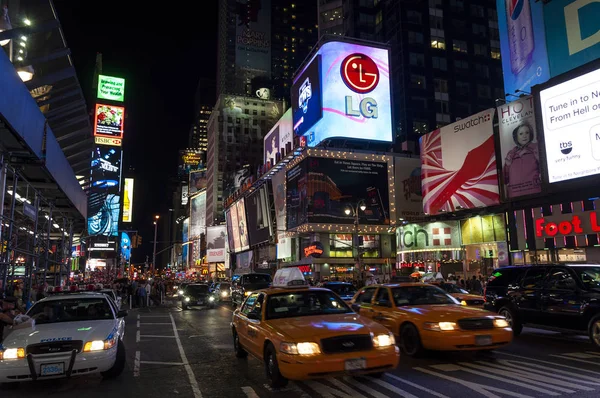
(162, 58)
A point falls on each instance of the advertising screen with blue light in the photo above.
(344, 92)
(104, 205)
(522, 45)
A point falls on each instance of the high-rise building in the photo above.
(236, 129)
(445, 56)
(262, 43)
(199, 131)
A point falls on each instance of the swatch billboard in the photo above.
(278, 138)
(522, 44)
(519, 149)
(573, 29)
(458, 165)
(343, 92)
(284, 243)
(104, 204)
(258, 208)
(215, 243)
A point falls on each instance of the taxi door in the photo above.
(362, 301)
(383, 309)
(254, 319)
(243, 323)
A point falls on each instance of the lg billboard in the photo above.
(343, 92)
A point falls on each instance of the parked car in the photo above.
(343, 289)
(556, 297)
(246, 284)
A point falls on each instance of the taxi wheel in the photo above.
(272, 368)
(239, 350)
(512, 320)
(410, 341)
(119, 365)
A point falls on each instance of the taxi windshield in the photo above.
(342, 289)
(71, 310)
(421, 295)
(305, 303)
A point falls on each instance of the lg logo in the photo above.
(360, 73)
(566, 147)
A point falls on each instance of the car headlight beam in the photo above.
(187, 299)
(223, 294)
(13, 353)
(180, 292)
(211, 298)
(300, 348)
(463, 302)
(440, 326)
(384, 340)
(501, 323)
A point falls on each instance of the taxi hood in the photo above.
(446, 312)
(323, 326)
(466, 296)
(61, 331)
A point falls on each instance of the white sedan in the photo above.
(74, 334)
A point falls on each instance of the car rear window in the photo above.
(506, 276)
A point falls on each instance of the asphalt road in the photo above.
(174, 353)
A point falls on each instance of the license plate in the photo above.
(355, 364)
(483, 340)
(53, 369)
(200, 302)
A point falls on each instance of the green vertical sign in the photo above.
(111, 88)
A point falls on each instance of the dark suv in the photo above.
(246, 284)
(556, 297)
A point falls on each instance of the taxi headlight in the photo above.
(440, 326)
(13, 353)
(384, 340)
(501, 323)
(223, 294)
(463, 302)
(300, 348)
(247, 293)
(187, 299)
(211, 298)
(180, 292)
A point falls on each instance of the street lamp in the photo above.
(353, 210)
(156, 217)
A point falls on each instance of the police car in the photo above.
(72, 334)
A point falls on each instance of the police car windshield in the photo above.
(305, 303)
(71, 310)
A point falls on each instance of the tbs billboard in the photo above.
(343, 92)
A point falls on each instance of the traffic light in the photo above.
(136, 241)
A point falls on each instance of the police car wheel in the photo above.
(272, 368)
(239, 350)
(9, 386)
(119, 365)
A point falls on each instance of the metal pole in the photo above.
(9, 245)
(154, 252)
(61, 258)
(35, 254)
(48, 244)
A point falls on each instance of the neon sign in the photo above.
(568, 224)
(314, 250)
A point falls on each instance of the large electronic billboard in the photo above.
(344, 92)
(109, 121)
(104, 205)
(198, 215)
(278, 138)
(258, 209)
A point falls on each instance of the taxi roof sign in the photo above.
(289, 277)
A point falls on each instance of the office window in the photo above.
(480, 49)
(458, 24)
(463, 109)
(417, 81)
(438, 42)
(460, 64)
(477, 11)
(484, 91)
(492, 14)
(366, 3)
(457, 5)
(420, 127)
(462, 88)
(435, 3)
(440, 85)
(436, 22)
(442, 106)
(439, 63)
(494, 34)
(418, 103)
(479, 30)
(482, 71)
(414, 17)
(415, 37)
(416, 59)
(499, 93)
(366, 19)
(459, 46)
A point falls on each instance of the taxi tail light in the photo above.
(13, 353)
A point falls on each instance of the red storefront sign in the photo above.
(583, 223)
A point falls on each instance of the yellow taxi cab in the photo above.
(463, 296)
(424, 316)
(302, 332)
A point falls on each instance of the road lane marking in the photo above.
(136, 364)
(410, 383)
(137, 336)
(155, 316)
(155, 323)
(330, 392)
(483, 389)
(138, 324)
(535, 380)
(393, 388)
(154, 336)
(250, 393)
(551, 363)
(361, 386)
(575, 359)
(161, 363)
(186, 364)
(580, 355)
(138, 317)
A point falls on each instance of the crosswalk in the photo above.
(506, 375)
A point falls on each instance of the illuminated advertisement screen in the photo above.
(258, 207)
(571, 127)
(278, 138)
(354, 87)
(197, 181)
(111, 88)
(184, 239)
(522, 44)
(242, 224)
(230, 232)
(198, 215)
(104, 199)
(215, 243)
(128, 200)
(235, 228)
(109, 120)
